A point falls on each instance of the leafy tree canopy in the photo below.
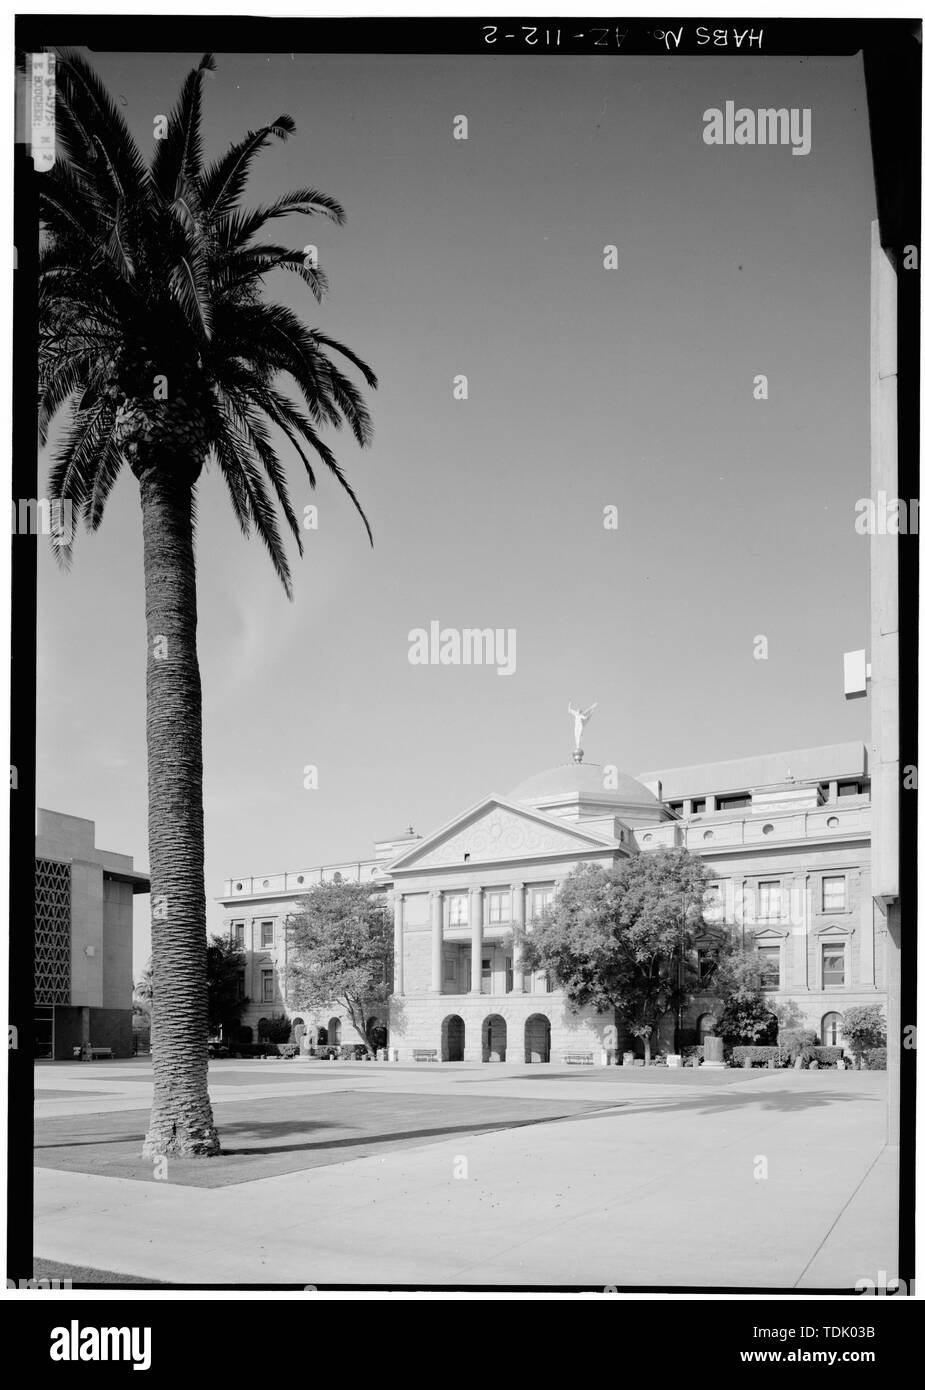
(341, 950)
(613, 937)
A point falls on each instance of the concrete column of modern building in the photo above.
(436, 941)
(518, 911)
(475, 927)
(399, 918)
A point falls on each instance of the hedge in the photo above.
(758, 1056)
(876, 1059)
(257, 1050)
(694, 1053)
(288, 1049)
(826, 1056)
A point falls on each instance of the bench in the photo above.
(425, 1054)
(585, 1059)
(96, 1053)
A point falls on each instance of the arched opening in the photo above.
(831, 1030)
(261, 1029)
(494, 1039)
(452, 1039)
(537, 1034)
(318, 1035)
(706, 1026)
(334, 1032)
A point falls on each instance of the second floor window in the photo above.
(237, 933)
(499, 908)
(540, 900)
(458, 909)
(769, 966)
(267, 984)
(833, 964)
(266, 933)
(769, 900)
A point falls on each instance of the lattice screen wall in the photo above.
(52, 932)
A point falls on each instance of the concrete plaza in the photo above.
(466, 1174)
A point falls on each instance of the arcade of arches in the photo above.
(535, 1039)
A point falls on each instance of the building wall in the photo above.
(794, 832)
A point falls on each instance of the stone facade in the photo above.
(786, 836)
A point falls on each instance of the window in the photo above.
(508, 974)
(769, 900)
(486, 975)
(540, 900)
(457, 911)
(266, 980)
(833, 964)
(831, 1030)
(834, 894)
(499, 908)
(698, 805)
(849, 789)
(733, 803)
(237, 933)
(706, 964)
(769, 966)
(677, 807)
(266, 933)
(713, 904)
(240, 984)
(449, 970)
(706, 1026)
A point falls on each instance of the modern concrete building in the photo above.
(83, 940)
(786, 836)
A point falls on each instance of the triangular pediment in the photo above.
(497, 830)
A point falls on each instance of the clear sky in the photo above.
(588, 387)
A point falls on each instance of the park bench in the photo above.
(96, 1053)
(425, 1054)
(585, 1059)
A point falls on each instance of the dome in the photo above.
(588, 782)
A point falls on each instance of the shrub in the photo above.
(876, 1059)
(796, 1042)
(758, 1056)
(326, 1053)
(275, 1029)
(244, 1036)
(354, 1052)
(258, 1050)
(864, 1030)
(288, 1049)
(693, 1053)
(826, 1056)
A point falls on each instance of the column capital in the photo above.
(518, 886)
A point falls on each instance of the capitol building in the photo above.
(786, 836)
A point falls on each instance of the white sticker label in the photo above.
(43, 111)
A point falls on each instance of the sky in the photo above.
(588, 388)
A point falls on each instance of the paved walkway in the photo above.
(777, 1180)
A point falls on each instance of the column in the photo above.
(436, 942)
(799, 941)
(475, 924)
(518, 893)
(399, 912)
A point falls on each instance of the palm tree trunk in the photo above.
(181, 1118)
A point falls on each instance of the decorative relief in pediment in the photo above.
(500, 834)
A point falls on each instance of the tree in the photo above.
(736, 981)
(225, 962)
(341, 951)
(155, 335)
(864, 1028)
(618, 939)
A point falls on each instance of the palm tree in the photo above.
(155, 333)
